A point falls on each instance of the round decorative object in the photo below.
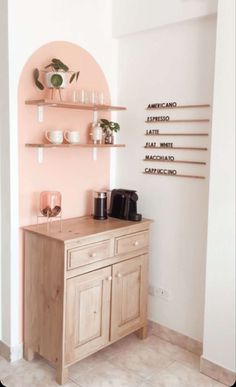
(55, 80)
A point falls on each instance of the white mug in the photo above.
(54, 136)
(72, 136)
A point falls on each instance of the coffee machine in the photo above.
(123, 205)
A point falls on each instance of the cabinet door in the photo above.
(129, 296)
(87, 314)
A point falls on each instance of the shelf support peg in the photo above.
(40, 155)
(95, 154)
(40, 113)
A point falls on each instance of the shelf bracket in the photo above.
(40, 155)
(95, 154)
(40, 112)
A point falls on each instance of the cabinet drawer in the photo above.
(131, 242)
(90, 253)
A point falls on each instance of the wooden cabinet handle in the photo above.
(135, 243)
(109, 278)
(119, 275)
(92, 255)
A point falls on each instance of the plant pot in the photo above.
(109, 138)
(56, 80)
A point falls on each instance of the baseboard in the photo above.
(11, 353)
(175, 337)
(217, 372)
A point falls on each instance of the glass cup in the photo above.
(93, 97)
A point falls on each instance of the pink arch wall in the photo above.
(73, 172)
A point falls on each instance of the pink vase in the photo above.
(50, 203)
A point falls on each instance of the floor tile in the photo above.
(179, 375)
(130, 362)
(32, 374)
(106, 374)
(142, 362)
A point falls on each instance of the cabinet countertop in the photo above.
(75, 228)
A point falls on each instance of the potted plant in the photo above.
(56, 77)
(109, 128)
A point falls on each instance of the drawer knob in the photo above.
(119, 275)
(92, 255)
(109, 278)
(136, 243)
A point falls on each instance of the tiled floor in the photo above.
(128, 363)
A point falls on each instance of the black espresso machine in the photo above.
(123, 204)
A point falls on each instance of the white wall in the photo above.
(86, 23)
(220, 323)
(132, 16)
(4, 172)
(172, 63)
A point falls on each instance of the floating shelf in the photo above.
(75, 145)
(180, 107)
(177, 175)
(40, 148)
(72, 105)
(177, 161)
(170, 121)
(175, 147)
(178, 134)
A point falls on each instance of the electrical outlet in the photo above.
(151, 290)
(163, 293)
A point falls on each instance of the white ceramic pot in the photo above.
(56, 79)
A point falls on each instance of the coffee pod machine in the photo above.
(123, 205)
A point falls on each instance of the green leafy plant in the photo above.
(109, 126)
(55, 65)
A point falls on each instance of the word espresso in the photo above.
(158, 118)
(156, 171)
(162, 105)
(159, 158)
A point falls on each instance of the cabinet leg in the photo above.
(62, 375)
(142, 333)
(28, 353)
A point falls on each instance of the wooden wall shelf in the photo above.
(171, 121)
(177, 175)
(75, 145)
(178, 134)
(72, 105)
(180, 107)
(175, 147)
(40, 148)
(177, 161)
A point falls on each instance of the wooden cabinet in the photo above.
(87, 313)
(85, 287)
(129, 293)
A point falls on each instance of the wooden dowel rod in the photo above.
(188, 176)
(176, 147)
(180, 107)
(177, 134)
(170, 121)
(176, 161)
